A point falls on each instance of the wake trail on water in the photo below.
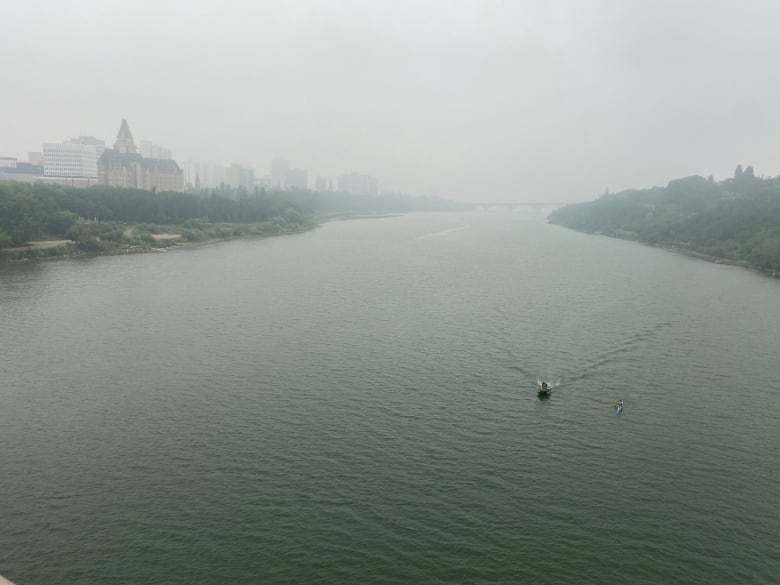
(443, 232)
(619, 348)
(556, 374)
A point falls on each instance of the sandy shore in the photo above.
(41, 245)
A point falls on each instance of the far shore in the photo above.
(59, 249)
(62, 249)
(688, 252)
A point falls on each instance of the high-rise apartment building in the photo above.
(151, 150)
(74, 159)
(358, 184)
(264, 183)
(241, 177)
(203, 175)
(296, 179)
(279, 169)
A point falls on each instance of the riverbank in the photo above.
(677, 249)
(716, 259)
(735, 221)
(143, 238)
(137, 239)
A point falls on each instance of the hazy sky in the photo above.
(473, 100)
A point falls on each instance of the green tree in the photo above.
(60, 222)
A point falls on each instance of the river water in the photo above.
(357, 404)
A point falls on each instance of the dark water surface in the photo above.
(357, 405)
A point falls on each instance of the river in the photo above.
(357, 404)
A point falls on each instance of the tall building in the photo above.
(320, 184)
(191, 174)
(123, 166)
(15, 170)
(358, 184)
(203, 175)
(241, 177)
(151, 150)
(75, 159)
(124, 143)
(279, 169)
(283, 177)
(296, 179)
(100, 145)
(263, 182)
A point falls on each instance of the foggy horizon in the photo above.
(472, 101)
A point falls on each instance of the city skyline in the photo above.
(71, 158)
(79, 159)
(468, 100)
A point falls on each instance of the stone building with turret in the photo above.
(123, 166)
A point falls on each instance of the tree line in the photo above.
(96, 215)
(30, 211)
(737, 219)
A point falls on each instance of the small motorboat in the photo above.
(544, 389)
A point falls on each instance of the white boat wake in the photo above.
(443, 232)
(550, 384)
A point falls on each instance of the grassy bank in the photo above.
(112, 238)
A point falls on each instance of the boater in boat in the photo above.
(545, 388)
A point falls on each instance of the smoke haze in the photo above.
(490, 100)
